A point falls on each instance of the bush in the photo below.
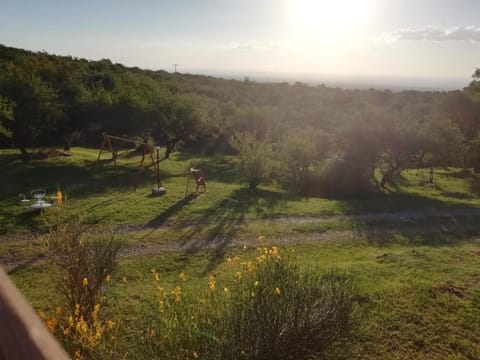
(83, 262)
(83, 265)
(344, 177)
(299, 153)
(255, 158)
(267, 309)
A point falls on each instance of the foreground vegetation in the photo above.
(421, 301)
(415, 291)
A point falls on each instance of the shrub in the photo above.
(255, 158)
(267, 309)
(344, 177)
(83, 262)
(83, 265)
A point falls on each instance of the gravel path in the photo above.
(365, 231)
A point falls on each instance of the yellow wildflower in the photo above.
(108, 278)
(77, 310)
(261, 238)
(52, 323)
(211, 282)
(96, 309)
(238, 275)
(250, 267)
(182, 276)
(256, 283)
(85, 281)
(124, 280)
(225, 290)
(277, 291)
(177, 292)
(58, 310)
(156, 277)
(244, 247)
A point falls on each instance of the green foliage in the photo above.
(83, 262)
(6, 117)
(255, 158)
(265, 309)
(297, 153)
(61, 100)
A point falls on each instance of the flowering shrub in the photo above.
(80, 338)
(267, 309)
(83, 264)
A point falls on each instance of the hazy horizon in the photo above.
(351, 81)
(431, 44)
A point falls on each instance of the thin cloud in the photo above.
(253, 45)
(433, 33)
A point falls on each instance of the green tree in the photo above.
(255, 158)
(6, 117)
(36, 107)
(179, 118)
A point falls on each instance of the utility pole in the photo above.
(175, 67)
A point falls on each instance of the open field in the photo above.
(413, 252)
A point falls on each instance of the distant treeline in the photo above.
(296, 130)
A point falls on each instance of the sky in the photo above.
(357, 39)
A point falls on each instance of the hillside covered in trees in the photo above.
(310, 139)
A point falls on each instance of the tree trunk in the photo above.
(67, 143)
(170, 146)
(388, 176)
(25, 154)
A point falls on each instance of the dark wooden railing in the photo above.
(22, 334)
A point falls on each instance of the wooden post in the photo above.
(139, 172)
(113, 153)
(23, 336)
(101, 149)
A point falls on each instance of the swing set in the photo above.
(147, 151)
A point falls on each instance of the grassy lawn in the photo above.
(419, 291)
(105, 195)
(419, 301)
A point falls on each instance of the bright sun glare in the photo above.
(329, 19)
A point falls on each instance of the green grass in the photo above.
(408, 314)
(406, 276)
(104, 195)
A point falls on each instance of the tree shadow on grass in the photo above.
(223, 221)
(393, 202)
(436, 231)
(162, 218)
(217, 226)
(473, 184)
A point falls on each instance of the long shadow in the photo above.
(27, 263)
(159, 220)
(438, 231)
(227, 216)
(474, 184)
(390, 202)
(214, 229)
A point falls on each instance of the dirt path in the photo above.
(381, 232)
